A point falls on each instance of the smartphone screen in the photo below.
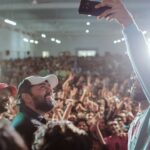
(87, 7)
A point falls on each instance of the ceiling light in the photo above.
(118, 41)
(43, 35)
(115, 42)
(52, 39)
(87, 31)
(25, 40)
(31, 41)
(89, 15)
(88, 23)
(10, 22)
(123, 39)
(58, 41)
(36, 42)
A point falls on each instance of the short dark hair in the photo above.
(64, 135)
(23, 87)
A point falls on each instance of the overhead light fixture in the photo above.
(43, 35)
(115, 42)
(87, 31)
(58, 41)
(52, 39)
(10, 22)
(31, 41)
(89, 15)
(36, 42)
(118, 41)
(25, 40)
(123, 39)
(88, 23)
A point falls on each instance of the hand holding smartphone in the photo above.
(87, 7)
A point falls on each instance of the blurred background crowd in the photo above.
(94, 93)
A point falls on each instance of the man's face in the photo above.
(42, 97)
(4, 99)
(114, 127)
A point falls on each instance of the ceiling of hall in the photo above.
(61, 16)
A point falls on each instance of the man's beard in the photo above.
(42, 104)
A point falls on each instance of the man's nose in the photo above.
(48, 88)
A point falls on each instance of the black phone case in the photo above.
(88, 8)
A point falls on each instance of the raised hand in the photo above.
(118, 12)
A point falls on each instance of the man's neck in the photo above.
(31, 111)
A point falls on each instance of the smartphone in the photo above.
(87, 7)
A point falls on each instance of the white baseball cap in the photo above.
(28, 82)
(51, 79)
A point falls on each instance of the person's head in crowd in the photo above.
(102, 110)
(72, 117)
(81, 123)
(6, 92)
(10, 139)
(36, 92)
(90, 115)
(101, 102)
(123, 117)
(61, 135)
(35, 97)
(121, 123)
(113, 127)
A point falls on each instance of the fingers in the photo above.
(106, 3)
(108, 13)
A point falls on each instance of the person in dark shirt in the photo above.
(35, 95)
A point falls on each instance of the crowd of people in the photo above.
(91, 106)
(114, 66)
(93, 93)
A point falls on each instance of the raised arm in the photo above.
(136, 45)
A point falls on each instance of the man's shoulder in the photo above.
(18, 119)
(23, 124)
(22, 120)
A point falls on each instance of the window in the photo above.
(86, 53)
(45, 54)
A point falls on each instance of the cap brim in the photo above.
(52, 80)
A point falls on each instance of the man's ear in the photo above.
(27, 99)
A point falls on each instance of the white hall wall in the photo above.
(72, 44)
(12, 41)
